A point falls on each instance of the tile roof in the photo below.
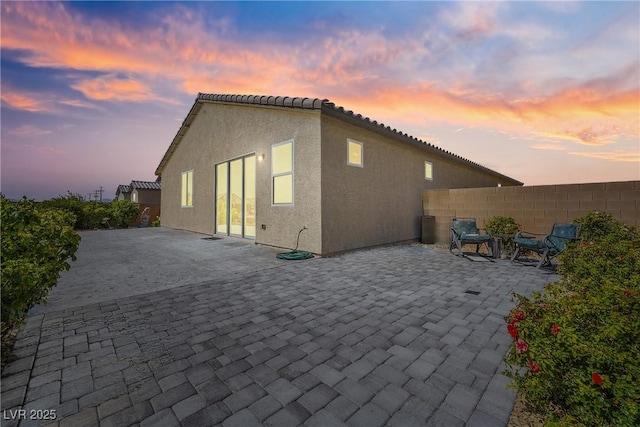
(325, 106)
(278, 101)
(146, 185)
(123, 189)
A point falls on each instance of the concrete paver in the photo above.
(160, 326)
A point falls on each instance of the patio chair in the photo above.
(550, 246)
(465, 232)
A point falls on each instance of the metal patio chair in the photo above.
(465, 232)
(550, 246)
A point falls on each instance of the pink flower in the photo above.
(555, 329)
(522, 346)
(513, 331)
(597, 379)
(533, 366)
(517, 316)
(627, 292)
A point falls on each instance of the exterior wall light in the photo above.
(261, 157)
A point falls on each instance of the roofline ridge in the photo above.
(312, 104)
(397, 133)
(271, 100)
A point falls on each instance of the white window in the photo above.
(428, 171)
(282, 173)
(354, 153)
(134, 196)
(187, 189)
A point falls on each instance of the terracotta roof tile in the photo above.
(325, 106)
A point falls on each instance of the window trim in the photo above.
(353, 141)
(430, 164)
(291, 172)
(183, 197)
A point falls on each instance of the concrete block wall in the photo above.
(535, 208)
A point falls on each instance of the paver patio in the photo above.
(384, 336)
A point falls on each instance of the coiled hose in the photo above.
(295, 254)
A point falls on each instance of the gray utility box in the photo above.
(428, 229)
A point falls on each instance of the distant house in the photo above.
(123, 192)
(264, 167)
(140, 192)
(146, 193)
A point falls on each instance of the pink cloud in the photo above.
(110, 88)
(616, 156)
(76, 103)
(24, 101)
(373, 74)
(472, 20)
(29, 131)
(552, 147)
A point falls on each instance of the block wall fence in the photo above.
(535, 208)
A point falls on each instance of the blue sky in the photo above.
(94, 92)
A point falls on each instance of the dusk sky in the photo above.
(544, 92)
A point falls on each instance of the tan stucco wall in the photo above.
(535, 208)
(149, 196)
(382, 201)
(222, 132)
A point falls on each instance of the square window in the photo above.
(354, 153)
(282, 158)
(428, 170)
(283, 190)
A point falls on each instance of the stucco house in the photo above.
(264, 167)
(146, 194)
(123, 192)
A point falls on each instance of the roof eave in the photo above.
(186, 123)
(358, 120)
(325, 107)
(259, 100)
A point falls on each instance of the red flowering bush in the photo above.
(575, 355)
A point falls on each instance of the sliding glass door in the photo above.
(236, 197)
(249, 196)
(222, 197)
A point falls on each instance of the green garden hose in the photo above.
(295, 254)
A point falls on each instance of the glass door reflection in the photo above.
(236, 197)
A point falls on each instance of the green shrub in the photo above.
(73, 203)
(576, 346)
(156, 222)
(91, 215)
(505, 227)
(36, 244)
(96, 215)
(596, 225)
(124, 213)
